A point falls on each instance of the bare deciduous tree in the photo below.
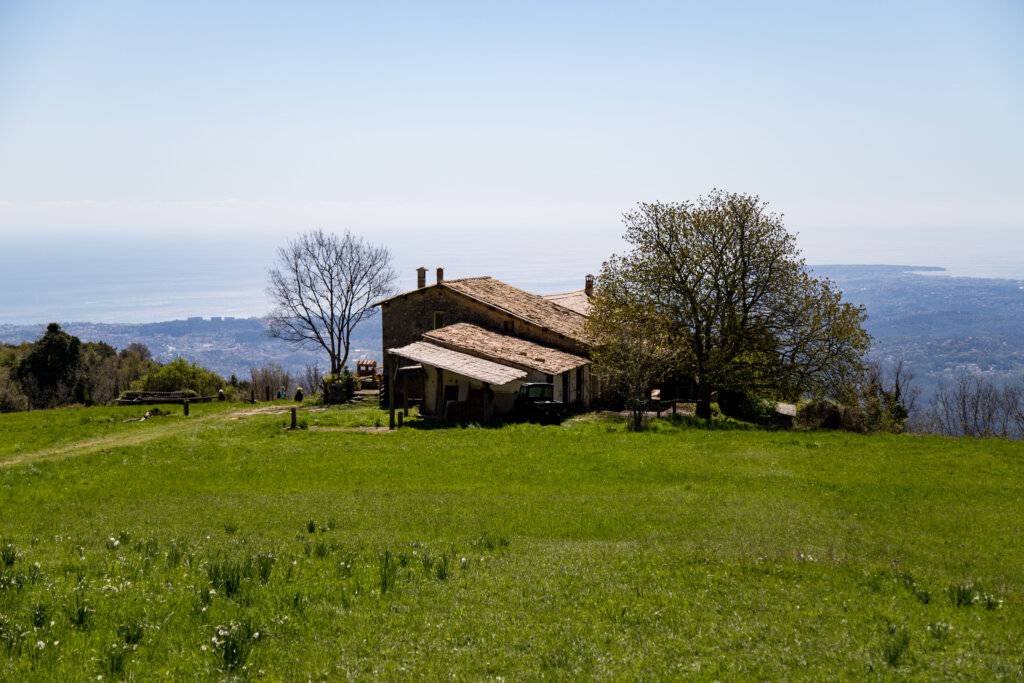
(973, 405)
(312, 378)
(271, 376)
(323, 286)
(880, 398)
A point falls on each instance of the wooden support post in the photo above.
(405, 395)
(673, 406)
(185, 405)
(391, 392)
(295, 420)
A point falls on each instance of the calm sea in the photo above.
(155, 277)
(149, 278)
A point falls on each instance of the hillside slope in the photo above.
(226, 543)
(940, 325)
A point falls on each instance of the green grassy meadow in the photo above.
(223, 545)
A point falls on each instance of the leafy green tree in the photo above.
(181, 375)
(726, 279)
(630, 340)
(48, 372)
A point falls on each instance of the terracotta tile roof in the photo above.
(522, 304)
(577, 301)
(505, 349)
(459, 363)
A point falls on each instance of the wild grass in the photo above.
(31, 431)
(242, 550)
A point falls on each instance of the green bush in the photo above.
(180, 375)
(339, 388)
(11, 397)
(819, 414)
(740, 405)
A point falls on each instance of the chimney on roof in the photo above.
(421, 277)
(588, 286)
(440, 275)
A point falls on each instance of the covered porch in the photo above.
(456, 385)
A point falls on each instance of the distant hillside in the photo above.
(939, 324)
(224, 345)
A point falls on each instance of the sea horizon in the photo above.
(91, 280)
(163, 299)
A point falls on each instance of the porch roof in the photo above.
(503, 348)
(459, 363)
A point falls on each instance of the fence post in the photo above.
(185, 404)
(252, 396)
(401, 419)
(295, 422)
(268, 392)
(391, 392)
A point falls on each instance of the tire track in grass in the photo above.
(99, 443)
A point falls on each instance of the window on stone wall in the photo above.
(438, 319)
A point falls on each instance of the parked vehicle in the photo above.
(536, 403)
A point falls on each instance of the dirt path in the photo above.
(152, 433)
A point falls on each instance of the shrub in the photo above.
(742, 406)
(819, 414)
(180, 375)
(12, 399)
(339, 388)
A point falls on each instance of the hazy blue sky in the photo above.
(883, 131)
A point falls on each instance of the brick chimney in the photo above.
(440, 275)
(588, 285)
(421, 277)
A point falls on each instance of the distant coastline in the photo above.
(939, 322)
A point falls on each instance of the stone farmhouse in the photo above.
(462, 348)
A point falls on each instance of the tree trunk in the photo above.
(703, 410)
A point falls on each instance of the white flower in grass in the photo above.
(40, 644)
